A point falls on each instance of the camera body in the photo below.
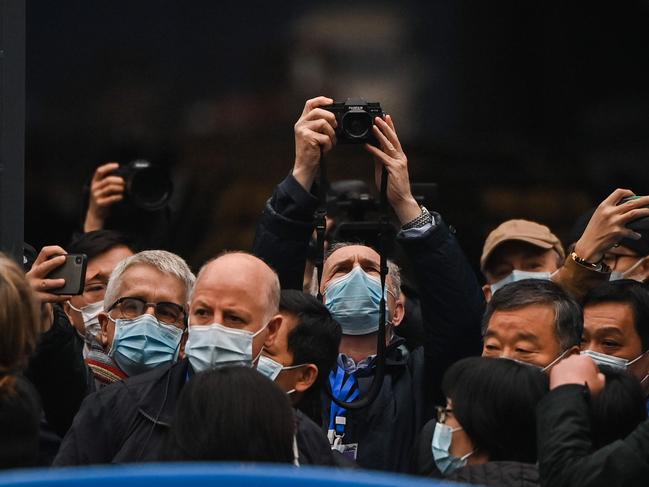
(148, 186)
(355, 119)
(640, 225)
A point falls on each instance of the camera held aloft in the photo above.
(355, 119)
(148, 186)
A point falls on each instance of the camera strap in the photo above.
(379, 363)
(321, 221)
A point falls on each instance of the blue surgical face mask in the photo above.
(516, 276)
(354, 301)
(144, 343)
(215, 345)
(271, 369)
(611, 360)
(441, 445)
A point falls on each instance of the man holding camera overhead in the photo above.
(380, 435)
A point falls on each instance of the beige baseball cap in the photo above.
(523, 230)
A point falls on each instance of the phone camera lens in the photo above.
(78, 260)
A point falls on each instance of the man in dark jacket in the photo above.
(564, 434)
(233, 316)
(379, 436)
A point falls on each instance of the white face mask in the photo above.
(90, 316)
(627, 274)
(611, 360)
(516, 276)
(271, 369)
(215, 345)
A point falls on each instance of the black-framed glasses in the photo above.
(164, 311)
(442, 413)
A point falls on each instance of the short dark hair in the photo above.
(99, 241)
(494, 400)
(314, 340)
(618, 409)
(568, 316)
(628, 292)
(219, 417)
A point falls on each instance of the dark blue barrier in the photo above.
(207, 474)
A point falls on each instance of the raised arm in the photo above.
(286, 225)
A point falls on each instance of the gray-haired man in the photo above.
(144, 313)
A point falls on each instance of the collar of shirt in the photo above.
(350, 366)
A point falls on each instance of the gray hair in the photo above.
(164, 261)
(568, 316)
(394, 273)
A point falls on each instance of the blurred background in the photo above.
(515, 109)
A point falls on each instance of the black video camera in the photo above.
(355, 119)
(148, 186)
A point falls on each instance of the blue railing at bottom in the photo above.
(207, 474)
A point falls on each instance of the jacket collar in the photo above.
(396, 355)
(159, 398)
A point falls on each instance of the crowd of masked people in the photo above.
(539, 377)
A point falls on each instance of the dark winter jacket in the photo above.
(452, 305)
(565, 446)
(57, 370)
(496, 474)
(128, 422)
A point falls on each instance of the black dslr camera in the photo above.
(148, 186)
(355, 119)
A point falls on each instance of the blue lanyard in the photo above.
(342, 390)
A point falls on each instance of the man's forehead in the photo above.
(353, 252)
(235, 280)
(236, 267)
(532, 317)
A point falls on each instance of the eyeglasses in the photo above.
(442, 413)
(169, 313)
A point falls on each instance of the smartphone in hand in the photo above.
(73, 270)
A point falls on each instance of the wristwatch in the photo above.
(421, 221)
(595, 266)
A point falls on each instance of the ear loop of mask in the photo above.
(555, 361)
(78, 310)
(466, 455)
(642, 381)
(292, 367)
(625, 274)
(254, 335)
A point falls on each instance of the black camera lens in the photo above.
(77, 260)
(356, 124)
(150, 187)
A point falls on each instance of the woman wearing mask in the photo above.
(486, 434)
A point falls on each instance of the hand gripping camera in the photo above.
(355, 119)
(148, 186)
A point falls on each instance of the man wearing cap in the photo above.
(614, 239)
(516, 250)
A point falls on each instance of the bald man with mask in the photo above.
(233, 315)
